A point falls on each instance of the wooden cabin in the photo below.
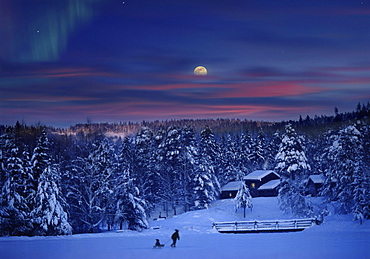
(269, 189)
(230, 190)
(258, 178)
(314, 184)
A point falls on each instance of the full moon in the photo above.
(200, 71)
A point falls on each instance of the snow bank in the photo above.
(338, 237)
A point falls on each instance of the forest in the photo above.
(91, 177)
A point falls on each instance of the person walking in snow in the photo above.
(175, 236)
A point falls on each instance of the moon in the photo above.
(200, 71)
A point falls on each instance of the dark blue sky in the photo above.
(63, 62)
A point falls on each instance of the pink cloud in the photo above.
(347, 69)
(65, 72)
(266, 89)
(48, 99)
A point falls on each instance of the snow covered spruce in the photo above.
(59, 184)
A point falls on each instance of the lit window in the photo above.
(253, 185)
(230, 194)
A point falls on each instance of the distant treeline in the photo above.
(307, 125)
(311, 126)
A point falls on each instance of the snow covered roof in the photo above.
(231, 186)
(317, 178)
(270, 185)
(258, 174)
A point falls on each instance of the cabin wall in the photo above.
(268, 193)
(311, 188)
(253, 185)
(228, 194)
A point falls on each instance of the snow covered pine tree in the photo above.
(130, 208)
(14, 207)
(204, 190)
(48, 215)
(293, 169)
(347, 169)
(243, 198)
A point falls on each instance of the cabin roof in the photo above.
(259, 174)
(231, 186)
(317, 178)
(270, 185)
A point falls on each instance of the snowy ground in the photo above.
(338, 237)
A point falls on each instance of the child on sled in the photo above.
(158, 244)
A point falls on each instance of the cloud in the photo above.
(267, 89)
(136, 61)
(262, 92)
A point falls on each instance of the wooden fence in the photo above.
(285, 225)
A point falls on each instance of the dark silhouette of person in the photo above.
(175, 236)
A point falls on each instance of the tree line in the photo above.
(57, 183)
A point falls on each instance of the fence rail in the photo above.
(255, 226)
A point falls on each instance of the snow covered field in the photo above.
(338, 237)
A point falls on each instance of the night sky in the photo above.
(66, 62)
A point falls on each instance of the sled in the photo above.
(159, 247)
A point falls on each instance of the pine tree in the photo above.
(328, 167)
(257, 156)
(361, 208)
(130, 208)
(204, 189)
(102, 165)
(346, 155)
(14, 205)
(173, 159)
(190, 156)
(272, 150)
(3, 157)
(40, 158)
(361, 199)
(243, 198)
(143, 162)
(77, 182)
(245, 163)
(293, 169)
(48, 216)
(210, 158)
(124, 183)
(126, 155)
(120, 181)
(230, 161)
